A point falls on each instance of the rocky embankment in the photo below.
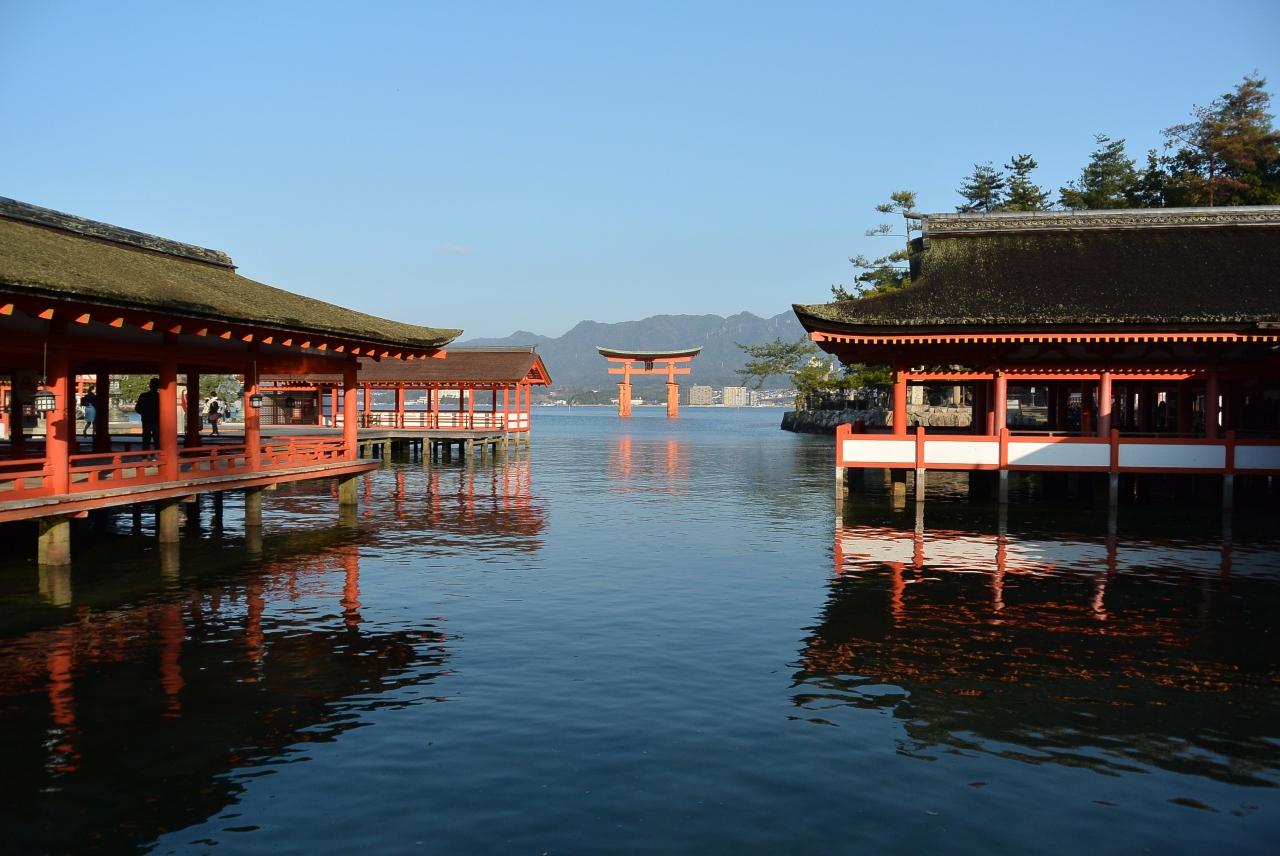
(825, 421)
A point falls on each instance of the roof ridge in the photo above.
(968, 223)
(13, 209)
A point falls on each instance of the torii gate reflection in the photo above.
(670, 363)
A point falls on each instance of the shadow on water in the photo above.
(1113, 653)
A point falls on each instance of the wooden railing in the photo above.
(1039, 453)
(433, 420)
(93, 471)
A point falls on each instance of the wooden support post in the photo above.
(900, 408)
(1000, 405)
(1086, 408)
(350, 422)
(366, 405)
(168, 421)
(898, 482)
(349, 490)
(252, 420)
(624, 391)
(1184, 407)
(60, 423)
(253, 508)
(1212, 405)
(54, 582)
(192, 398)
(102, 412)
(54, 544)
(1104, 404)
(168, 522)
(673, 391)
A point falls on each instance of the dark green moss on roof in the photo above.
(1186, 276)
(39, 259)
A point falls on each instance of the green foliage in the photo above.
(1229, 154)
(983, 190)
(1023, 193)
(776, 358)
(131, 386)
(891, 271)
(1107, 181)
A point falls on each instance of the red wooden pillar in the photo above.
(168, 422)
(1104, 405)
(350, 423)
(471, 407)
(368, 405)
(333, 406)
(624, 391)
(252, 420)
(899, 400)
(1184, 407)
(1000, 402)
(400, 405)
(506, 407)
(102, 415)
(493, 407)
(673, 391)
(1212, 391)
(1086, 408)
(60, 423)
(193, 409)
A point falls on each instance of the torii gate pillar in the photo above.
(670, 363)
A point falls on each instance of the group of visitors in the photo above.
(212, 410)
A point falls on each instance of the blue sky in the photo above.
(528, 165)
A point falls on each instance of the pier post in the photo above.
(167, 521)
(1003, 490)
(1228, 491)
(842, 484)
(348, 491)
(55, 584)
(253, 508)
(54, 544)
(898, 479)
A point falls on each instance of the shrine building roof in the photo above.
(1164, 267)
(48, 254)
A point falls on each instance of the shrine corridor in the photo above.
(647, 635)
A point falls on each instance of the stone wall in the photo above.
(825, 421)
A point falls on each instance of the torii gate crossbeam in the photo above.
(669, 363)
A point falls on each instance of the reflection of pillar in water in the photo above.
(60, 663)
(55, 584)
(997, 578)
(172, 631)
(898, 587)
(350, 556)
(253, 638)
(170, 564)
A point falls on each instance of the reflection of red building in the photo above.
(1084, 651)
(84, 298)
(1149, 337)
(464, 388)
(126, 722)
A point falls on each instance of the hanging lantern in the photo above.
(255, 400)
(45, 401)
(289, 402)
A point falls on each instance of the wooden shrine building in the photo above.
(669, 363)
(1131, 341)
(463, 389)
(79, 297)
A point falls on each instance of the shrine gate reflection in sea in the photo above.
(648, 635)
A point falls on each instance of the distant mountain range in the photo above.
(574, 363)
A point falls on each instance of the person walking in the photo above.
(90, 404)
(148, 410)
(214, 413)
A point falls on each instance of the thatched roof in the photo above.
(1160, 267)
(47, 253)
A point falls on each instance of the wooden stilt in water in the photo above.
(54, 545)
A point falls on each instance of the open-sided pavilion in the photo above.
(464, 388)
(79, 297)
(1151, 338)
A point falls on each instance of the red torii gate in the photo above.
(668, 363)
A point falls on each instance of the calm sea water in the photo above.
(646, 637)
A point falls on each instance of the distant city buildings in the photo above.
(735, 396)
(701, 395)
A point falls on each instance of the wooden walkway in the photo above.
(420, 443)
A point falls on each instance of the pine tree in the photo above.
(1107, 181)
(1024, 194)
(983, 190)
(1230, 152)
(889, 272)
(1151, 190)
